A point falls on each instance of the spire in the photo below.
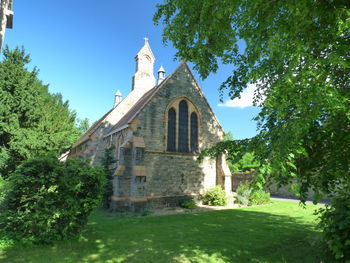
(143, 79)
(117, 98)
(161, 74)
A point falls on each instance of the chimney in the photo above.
(161, 74)
(118, 98)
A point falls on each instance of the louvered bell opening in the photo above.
(9, 21)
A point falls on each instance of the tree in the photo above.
(107, 160)
(297, 53)
(83, 125)
(31, 119)
(240, 163)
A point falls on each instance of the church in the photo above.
(156, 133)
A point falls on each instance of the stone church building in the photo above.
(157, 132)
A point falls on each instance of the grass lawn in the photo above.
(278, 232)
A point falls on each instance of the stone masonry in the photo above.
(146, 173)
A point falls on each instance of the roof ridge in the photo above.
(155, 89)
(95, 125)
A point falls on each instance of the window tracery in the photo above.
(182, 126)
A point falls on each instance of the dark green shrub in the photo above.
(259, 197)
(187, 203)
(49, 200)
(247, 195)
(106, 161)
(335, 225)
(244, 190)
(215, 196)
(145, 212)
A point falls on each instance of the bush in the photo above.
(215, 196)
(259, 197)
(49, 200)
(243, 191)
(188, 203)
(145, 212)
(247, 195)
(335, 225)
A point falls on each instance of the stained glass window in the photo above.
(183, 127)
(171, 146)
(194, 132)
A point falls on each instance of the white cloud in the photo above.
(246, 99)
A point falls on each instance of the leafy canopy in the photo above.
(297, 52)
(31, 119)
(238, 162)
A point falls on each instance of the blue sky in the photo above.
(85, 51)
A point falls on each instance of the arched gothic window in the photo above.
(171, 143)
(194, 132)
(182, 127)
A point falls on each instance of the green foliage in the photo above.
(335, 225)
(82, 125)
(297, 54)
(244, 191)
(215, 196)
(228, 136)
(49, 200)
(240, 162)
(106, 161)
(32, 121)
(188, 203)
(4, 188)
(246, 163)
(247, 194)
(259, 197)
(301, 69)
(145, 212)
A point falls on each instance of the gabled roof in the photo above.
(124, 106)
(130, 115)
(138, 106)
(91, 130)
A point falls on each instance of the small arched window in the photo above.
(171, 143)
(194, 132)
(183, 126)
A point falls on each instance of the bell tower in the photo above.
(144, 80)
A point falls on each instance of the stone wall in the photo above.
(272, 188)
(169, 176)
(178, 173)
(239, 178)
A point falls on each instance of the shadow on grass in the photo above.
(237, 235)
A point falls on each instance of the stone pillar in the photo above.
(220, 177)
